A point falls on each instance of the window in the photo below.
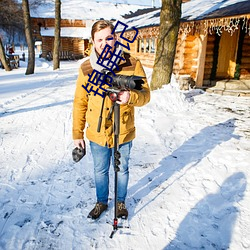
(146, 45)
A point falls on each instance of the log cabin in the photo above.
(213, 41)
(74, 37)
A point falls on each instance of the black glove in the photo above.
(78, 153)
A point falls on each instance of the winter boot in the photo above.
(122, 211)
(97, 210)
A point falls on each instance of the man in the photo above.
(87, 107)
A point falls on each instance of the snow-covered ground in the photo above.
(189, 170)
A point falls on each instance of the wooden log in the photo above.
(245, 61)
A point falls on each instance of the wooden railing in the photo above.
(64, 55)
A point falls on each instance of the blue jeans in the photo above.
(102, 158)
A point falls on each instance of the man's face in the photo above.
(101, 39)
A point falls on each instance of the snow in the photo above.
(148, 19)
(189, 169)
(92, 10)
(86, 10)
(192, 10)
(81, 32)
(197, 9)
(151, 3)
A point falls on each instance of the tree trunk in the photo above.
(56, 59)
(169, 27)
(3, 57)
(29, 38)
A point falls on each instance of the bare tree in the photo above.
(36, 3)
(169, 27)
(28, 33)
(11, 24)
(11, 16)
(56, 59)
(3, 57)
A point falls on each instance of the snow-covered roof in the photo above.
(85, 10)
(151, 18)
(206, 9)
(138, 2)
(79, 32)
(193, 10)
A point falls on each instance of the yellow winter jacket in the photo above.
(87, 106)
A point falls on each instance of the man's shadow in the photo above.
(187, 155)
(210, 223)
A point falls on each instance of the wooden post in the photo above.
(149, 45)
(144, 45)
(201, 60)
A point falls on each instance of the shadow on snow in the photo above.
(23, 110)
(210, 223)
(190, 153)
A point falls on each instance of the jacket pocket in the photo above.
(126, 120)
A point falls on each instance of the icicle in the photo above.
(216, 25)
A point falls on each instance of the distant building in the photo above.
(77, 19)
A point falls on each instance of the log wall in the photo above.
(179, 59)
(186, 56)
(50, 22)
(73, 45)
